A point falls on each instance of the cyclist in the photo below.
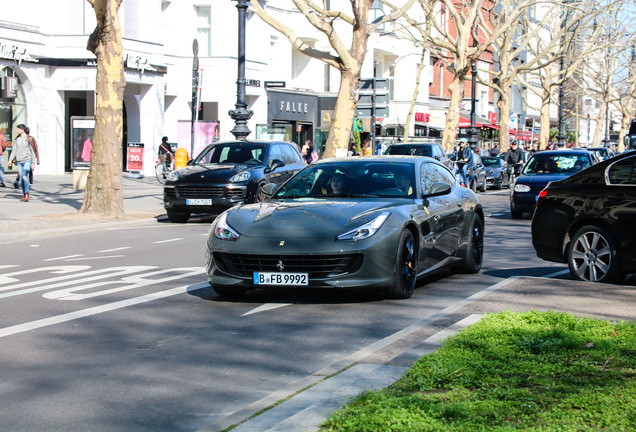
(514, 157)
(165, 152)
(463, 157)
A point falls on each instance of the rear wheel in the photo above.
(515, 214)
(160, 172)
(178, 216)
(592, 256)
(405, 273)
(473, 252)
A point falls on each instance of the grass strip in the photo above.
(531, 371)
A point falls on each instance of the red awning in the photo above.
(492, 126)
(464, 122)
(521, 135)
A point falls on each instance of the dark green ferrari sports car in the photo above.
(374, 222)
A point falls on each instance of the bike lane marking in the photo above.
(71, 316)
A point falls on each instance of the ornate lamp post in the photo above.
(473, 132)
(241, 114)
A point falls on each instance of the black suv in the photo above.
(433, 150)
(228, 173)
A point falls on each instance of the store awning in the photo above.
(464, 122)
(521, 135)
(492, 126)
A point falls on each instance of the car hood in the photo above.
(316, 218)
(210, 171)
(540, 179)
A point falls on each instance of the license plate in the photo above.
(199, 202)
(294, 279)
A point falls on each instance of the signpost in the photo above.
(195, 92)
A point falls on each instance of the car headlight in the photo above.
(241, 177)
(223, 231)
(522, 188)
(172, 176)
(365, 231)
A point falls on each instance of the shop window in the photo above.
(204, 30)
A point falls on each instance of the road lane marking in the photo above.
(114, 250)
(95, 258)
(559, 273)
(266, 307)
(58, 319)
(8, 277)
(62, 258)
(168, 241)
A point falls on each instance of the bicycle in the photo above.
(162, 168)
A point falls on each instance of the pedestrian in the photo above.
(24, 153)
(165, 151)
(366, 147)
(494, 151)
(3, 146)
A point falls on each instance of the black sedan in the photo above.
(497, 172)
(226, 174)
(542, 168)
(371, 222)
(429, 149)
(589, 221)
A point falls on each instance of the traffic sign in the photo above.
(365, 112)
(367, 99)
(366, 84)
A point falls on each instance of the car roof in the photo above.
(379, 158)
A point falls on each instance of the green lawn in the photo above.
(533, 371)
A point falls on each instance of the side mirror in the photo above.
(276, 163)
(437, 189)
(190, 162)
(269, 189)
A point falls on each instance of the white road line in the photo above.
(266, 307)
(559, 273)
(95, 258)
(34, 325)
(114, 250)
(62, 258)
(168, 241)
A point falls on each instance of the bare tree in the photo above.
(625, 103)
(346, 59)
(104, 195)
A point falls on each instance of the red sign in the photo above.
(422, 117)
(492, 117)
(135, 157)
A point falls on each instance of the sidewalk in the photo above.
(53, 205)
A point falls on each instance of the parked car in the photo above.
(228, 173)
(542, 168)
(497, 172)
(604, 152)
(364, 222)
(433, 150)
(589, 221)
(476, 174)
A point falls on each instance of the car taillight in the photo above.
(542, 195)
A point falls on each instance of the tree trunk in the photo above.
(504, 118)
(456, 89)
(416, 92)
(544, 133)
(104, 196)
(600, 125)
(340, 134)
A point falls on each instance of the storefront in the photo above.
(12, 109)
(291, 116)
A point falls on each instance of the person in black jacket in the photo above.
(514, 155)
(165, 150)
(462, 158)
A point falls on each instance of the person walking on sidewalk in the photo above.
(3, 146)
(24, 152)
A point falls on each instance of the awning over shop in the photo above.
(522, 135)
(464, 122)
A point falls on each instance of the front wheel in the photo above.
(592, 256)
(405, 273)
(177, 216)
(472, 253)
(484, 185)
(160, 172)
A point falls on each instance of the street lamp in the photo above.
(241, 114)
(473, 131)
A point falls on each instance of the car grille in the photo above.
(209, 192)
(317, 266)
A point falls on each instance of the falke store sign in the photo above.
(290, 106)
(13, 52)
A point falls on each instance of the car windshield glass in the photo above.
(352, 179)
(233, 153)
(492, 162)
(556, 164)
(410, 150)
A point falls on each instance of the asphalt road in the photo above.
(117, 330)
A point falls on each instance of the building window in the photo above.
(204, 30)
(392, 82)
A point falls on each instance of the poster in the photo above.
(82, 129)
(206, 133)
(134, 157)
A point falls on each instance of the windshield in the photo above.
(556, 164)
(408, 150)
(352, 179)
(233, 153)
(494, 162)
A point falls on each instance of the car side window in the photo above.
(432, 173)
(622, 172)
(290, 156)
(275, 153)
